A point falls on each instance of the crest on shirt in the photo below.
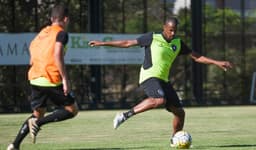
(174, 47)
(160, 92)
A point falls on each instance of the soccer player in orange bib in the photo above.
(48, 77)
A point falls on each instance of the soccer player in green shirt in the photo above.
(161, 49)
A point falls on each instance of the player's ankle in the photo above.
(129, 113)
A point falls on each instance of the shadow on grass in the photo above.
(237, 145)
(95, 149)
(108, 148)
(228, 146)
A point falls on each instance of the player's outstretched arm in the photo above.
(118, 43)
(205, 60)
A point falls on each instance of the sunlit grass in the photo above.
(221, 128)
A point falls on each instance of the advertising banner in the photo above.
(14, 49)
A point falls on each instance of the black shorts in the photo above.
(157, 88)
(40, 96)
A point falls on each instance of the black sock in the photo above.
(129, 113)
(58, 115)
(22, 133)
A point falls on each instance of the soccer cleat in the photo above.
(33, 128)
(11, 147)
(118, 120)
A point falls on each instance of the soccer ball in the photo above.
(182, 140)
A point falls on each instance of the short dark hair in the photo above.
(59, 12)
(173, 20)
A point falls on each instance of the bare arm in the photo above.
(59, 59)
(119, 43)
(205, 60)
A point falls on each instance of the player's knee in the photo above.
(176, 111)
(73, 109)
(74, 112)
(158, 102)
(39, 112)
(181, 113)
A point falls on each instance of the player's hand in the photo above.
(225, 65)
(66, 87)
(95, 43)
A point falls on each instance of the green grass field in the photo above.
(214, 128)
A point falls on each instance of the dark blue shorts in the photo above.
(40, 96)
(157, 88)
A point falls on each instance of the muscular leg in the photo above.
(39, 112)
(72, 109)
(178, 120)
(153, 88)
(24, 130)
(147, 104)
(58, 115)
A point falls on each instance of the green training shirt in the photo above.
(159, 57)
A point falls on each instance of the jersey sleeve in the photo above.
(185, 50)
(62, 37)
(145, 40)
